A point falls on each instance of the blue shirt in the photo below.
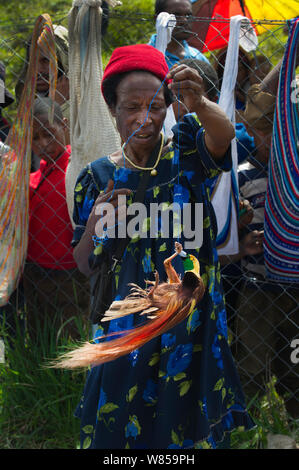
(190, 53)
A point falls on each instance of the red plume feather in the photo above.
(166, 304)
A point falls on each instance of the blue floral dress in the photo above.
(180, 390)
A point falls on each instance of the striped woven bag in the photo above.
(281, 244)
(15, 164)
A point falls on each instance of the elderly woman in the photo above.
(181, 389)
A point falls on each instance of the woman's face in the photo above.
(134, 95)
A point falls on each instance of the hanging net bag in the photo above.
(15, 164)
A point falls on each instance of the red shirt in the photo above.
(50, 229)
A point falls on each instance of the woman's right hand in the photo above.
(107, 210)
(117, 211)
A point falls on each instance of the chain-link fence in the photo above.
(262, 315)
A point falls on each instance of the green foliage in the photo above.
(270, 416)
(37, 403)
(16, 25)
(29, 9)
(131, 23)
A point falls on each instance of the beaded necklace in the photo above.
(153, 168)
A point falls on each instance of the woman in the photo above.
(180, 389)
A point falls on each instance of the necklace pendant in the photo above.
(154, 172)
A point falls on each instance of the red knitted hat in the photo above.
(136, 57)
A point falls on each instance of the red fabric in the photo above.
(136, 57)
(50, 229)
(216, 36)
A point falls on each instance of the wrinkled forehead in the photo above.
(138, 84)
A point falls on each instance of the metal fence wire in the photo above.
(262, 314)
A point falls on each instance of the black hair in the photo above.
(208, 74)
(160, 5)
(110, 84)
(41, 107)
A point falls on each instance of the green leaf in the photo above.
(88, 429)
(86, 443)
(184, 387)
(132, 393)
(167, 156)
(154, 359)
(118, 268)
(156, 191)
(205, 445)
(161, 373)
(175, 437)
(78, 187)
(163, 247)
(206, 222)
(219, 384)
(204, 277)
(223, 393)
(111, 420)
(197, 347)
(98, 250)
(179, 376)
(135, 238)
(108, 407)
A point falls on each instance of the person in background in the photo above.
(55, 291)
(42, 84)
(178, 48)
(244, 72)
(267, 311)
(261, 66)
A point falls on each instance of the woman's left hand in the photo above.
(187, 85)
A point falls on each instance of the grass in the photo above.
(37, 404)
(270, 416)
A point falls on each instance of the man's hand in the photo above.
(245, 214)
(252, 243)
